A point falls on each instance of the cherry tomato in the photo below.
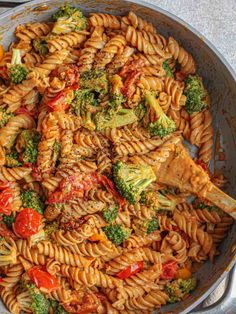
(169, 270)
(42, 279)
(130, 271)
(129, 85)
(27, 223)
(109, 185)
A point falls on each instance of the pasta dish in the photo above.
(102, 208)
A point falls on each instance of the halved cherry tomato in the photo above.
(72, 187)
(1, 52)
(42, 279)
(27, 223)
(169, 270)
(97, 237)
(109, 185)
(130, 271)
(5, 232)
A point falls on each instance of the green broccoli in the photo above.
(4, 117)
(116, 233)
(41, 46)
(8, 220)
(197, 97)
(56, 151)
(31, 139)
(95, 80)
(163, 125)
(140, 111)
(39, 304)
(157, 200)
(68, 19)
(132, 179)
(151, 225)
(52, 227)
(167, 69)
(17, 71)
(82, 106)
(180, 288)
(114, 118)
(31, 199)
(12, 160)
(56, 307)
(111, 213)
(165, 203)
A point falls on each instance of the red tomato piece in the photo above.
(109, 185)
(130, 271)
(169, 270)
(129, 85)
(42, 279)
(27, 223)
(58, 103)
(72, 187)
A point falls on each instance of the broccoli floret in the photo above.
(167, 68)
(140, 111)
(4, 117)
(116, 233)
(31, 139)
(41, 46)
(114, 118)
(179, 288)
(163, 124)
(56, 151)
(51, 228)
(110, 214)
(157, 200)
(165, 203)
(95, 80)
(56, 307)
(132, 179)
(152, 225)
(30, 199)
(12, 160)
(196, 94)
(82, 106)
(68, 19)
(39, 305)
(8, 220)
(17, 71)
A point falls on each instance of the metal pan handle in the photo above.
(227, 303)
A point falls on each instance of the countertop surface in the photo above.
(215, 19)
